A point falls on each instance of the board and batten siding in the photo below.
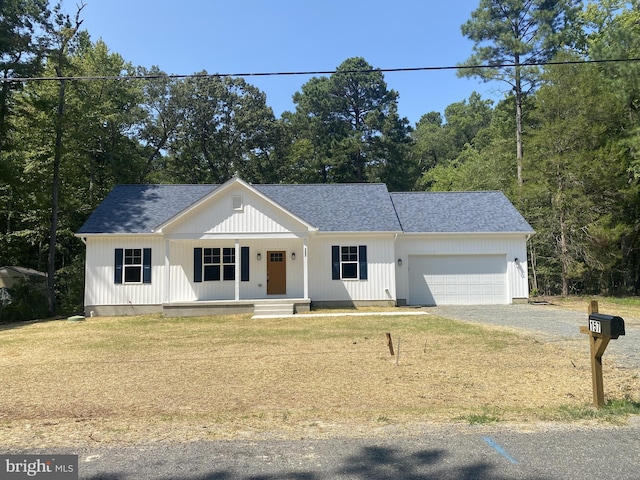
(511, 245)
(381, 282)
(182, 288)
(217, 216)
(100, 288)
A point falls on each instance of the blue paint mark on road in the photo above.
(499, 449)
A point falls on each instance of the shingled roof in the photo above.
(362, 207)
(141, 208)
(458, 212)
(352, 207)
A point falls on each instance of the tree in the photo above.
(62, 34)
(437, 143)
(105, 124)
(162, 120)
(614, 34)
(226, 128)
(581, 181)
(478, 158)
(352, 121)
(511, 37)
(22, 49)
(85, 140)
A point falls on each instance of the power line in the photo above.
(310, 72)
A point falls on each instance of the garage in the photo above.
(457, 279)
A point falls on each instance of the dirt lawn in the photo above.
(149, 378)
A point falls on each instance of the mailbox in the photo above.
(606, 325)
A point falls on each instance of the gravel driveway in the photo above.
(549, 323)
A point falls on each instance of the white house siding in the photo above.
(100, 288)
(512, 246)
(182, 288)
(216, 216)
(381, 282)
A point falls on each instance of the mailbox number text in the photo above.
(594, 326)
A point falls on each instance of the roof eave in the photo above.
(118, 234)
(524, 232)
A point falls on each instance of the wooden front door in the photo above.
(276, 273)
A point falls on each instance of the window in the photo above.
(236, 201)
(229, 263)
(211, 264)
(215, 264)
(349, 262)
(132, 265)
(276, 257)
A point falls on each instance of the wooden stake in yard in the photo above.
(390, 344)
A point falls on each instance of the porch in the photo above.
(273, 306)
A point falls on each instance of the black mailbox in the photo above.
(607, 325)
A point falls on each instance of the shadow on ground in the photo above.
(371, 462)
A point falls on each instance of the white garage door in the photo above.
(457, 279)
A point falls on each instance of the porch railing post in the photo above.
(237, 275)
(305, 273)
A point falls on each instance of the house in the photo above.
(12, 276)
(198, 249)
(22, 293)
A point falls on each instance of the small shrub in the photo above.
(28, 302)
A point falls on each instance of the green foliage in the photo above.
(28, 302)
(487, 416)
(517, 32)
(615, 411)
(226, 129)
(580, 131)
(350, 126)
(576, 199)
(70, 286)
(479, 154)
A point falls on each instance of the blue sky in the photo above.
(246, 36)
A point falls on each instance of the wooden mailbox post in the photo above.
(601, 329)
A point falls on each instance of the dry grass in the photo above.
(152, 378)
(628, 308)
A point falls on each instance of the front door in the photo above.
(276, 273)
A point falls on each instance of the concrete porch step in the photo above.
(273, 309)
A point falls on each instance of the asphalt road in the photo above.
(461, 453)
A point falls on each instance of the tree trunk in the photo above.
(564, 255)
(4, 112)
(57, 156)
(518, 93)
(564, 250)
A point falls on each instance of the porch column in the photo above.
(166, 293)
(237, 270)
(305, 272)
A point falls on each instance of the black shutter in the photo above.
(118, 265)
(197, 265)
(244, 264)
(335, 262)
(146, 265)
(362, 258)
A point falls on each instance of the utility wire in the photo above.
(311, 72)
